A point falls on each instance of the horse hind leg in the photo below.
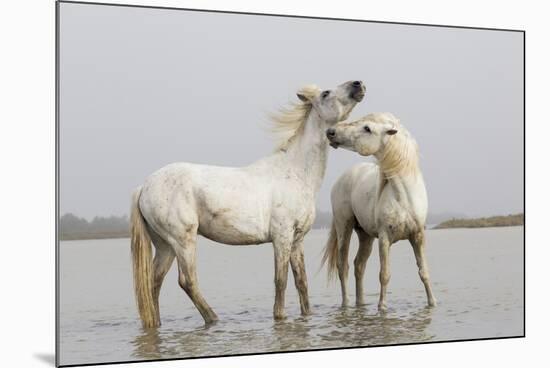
(343, 237)
(418, 244)
(185, 251)
(363, 253)
(164, 257)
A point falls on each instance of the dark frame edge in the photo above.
(126, 5)
(57, 310)
(524, 181)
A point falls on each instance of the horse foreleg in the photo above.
(300, 277)
(187, 267)
(282, 251)
(365, 249)
(384, 250)
(418, 244)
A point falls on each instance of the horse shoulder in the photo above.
(402, 211)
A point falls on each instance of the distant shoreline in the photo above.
(493, 221)
(64, 237)
(465, 223)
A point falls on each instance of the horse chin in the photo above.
(334, 145)
(357, 95)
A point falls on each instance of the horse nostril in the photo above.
(356, 84)
(331, 132)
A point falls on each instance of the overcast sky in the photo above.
(141, 88)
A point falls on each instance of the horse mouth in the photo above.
(357, 95)
(334, 144)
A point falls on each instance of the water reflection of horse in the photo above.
(223, 339)
(331, 328)
(271, 200)
(355, 327)
(154, 343)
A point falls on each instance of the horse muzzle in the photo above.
(331, 135)
(358, 90)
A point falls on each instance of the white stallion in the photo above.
(387, 201)
(272, 200)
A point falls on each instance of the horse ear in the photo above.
(391, 131)
(302, 97)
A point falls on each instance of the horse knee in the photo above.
(359, 268)
(301, 283)
(280, 283)
(297, 276)
(384, 278)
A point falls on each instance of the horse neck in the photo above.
(407, 185)
(307, 154)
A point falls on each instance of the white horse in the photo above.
(272, 200)
(387, 201)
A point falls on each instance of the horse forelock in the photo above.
(289, 121)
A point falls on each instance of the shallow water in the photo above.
(477, 276)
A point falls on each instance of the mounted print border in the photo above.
(301, 211)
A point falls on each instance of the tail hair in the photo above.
(142, 261)
(330, 256)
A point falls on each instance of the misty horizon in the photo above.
(168, 86)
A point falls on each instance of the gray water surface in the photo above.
(477, 276)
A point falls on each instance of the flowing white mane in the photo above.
(289, 122)
(400, 155)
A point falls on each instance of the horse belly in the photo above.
(367, 221)
(232, 206)
(231, 227)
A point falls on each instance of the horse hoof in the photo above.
(211, 322)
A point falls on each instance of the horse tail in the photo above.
(330, 256)
(142, 260)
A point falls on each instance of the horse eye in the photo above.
(325, 94)
(367, 129)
